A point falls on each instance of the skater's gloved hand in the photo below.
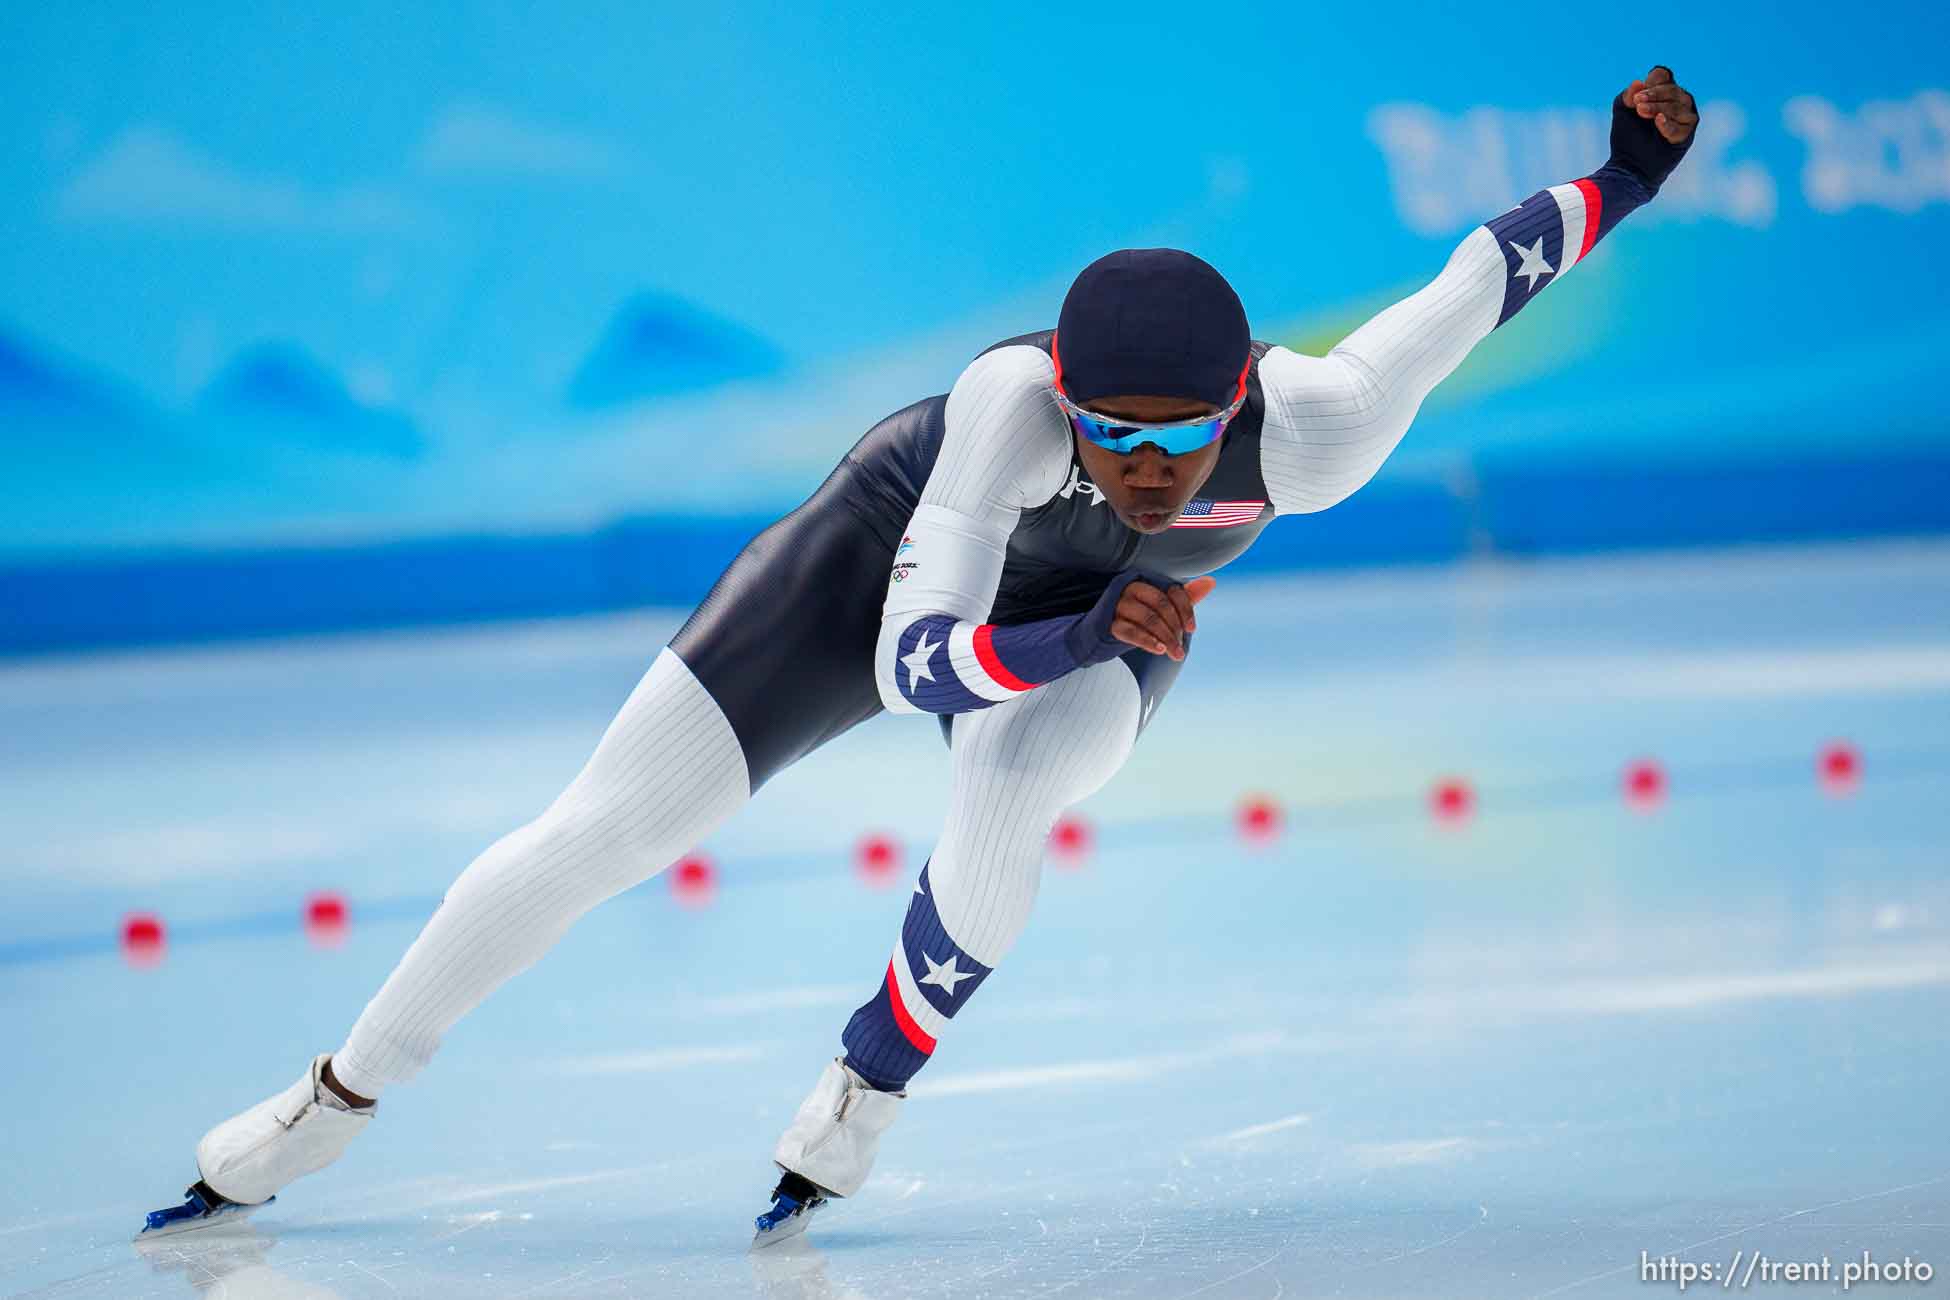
(1652, 123)
(1140, 609)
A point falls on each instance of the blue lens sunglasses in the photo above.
(1124, 437)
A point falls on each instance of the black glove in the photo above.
(1637, 146)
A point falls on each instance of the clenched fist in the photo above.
(1665, 102)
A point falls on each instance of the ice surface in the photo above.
(1376, 1058)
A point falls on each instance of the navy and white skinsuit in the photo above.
(906, 582)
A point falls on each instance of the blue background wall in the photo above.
(327, 319)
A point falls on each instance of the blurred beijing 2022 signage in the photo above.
(547, 293)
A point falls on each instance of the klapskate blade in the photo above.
(786, 1231)
(222, 1216)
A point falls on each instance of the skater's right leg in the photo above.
(775, 662)
(667, 772)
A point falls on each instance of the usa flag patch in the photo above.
(1200, 513)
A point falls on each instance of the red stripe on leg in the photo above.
(913, 1032)
(1594, 207)
(992, 662)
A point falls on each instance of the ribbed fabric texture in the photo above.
(1331, 421)
(1017, 766)
(667, 772)
(998, 456)
(1006, 449)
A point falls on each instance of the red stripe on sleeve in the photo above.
(915, 1034)
(1594, 207)
(992, 662)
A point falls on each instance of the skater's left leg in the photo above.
(1016, 768)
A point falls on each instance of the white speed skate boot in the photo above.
(827, 1150)
(243, 1162)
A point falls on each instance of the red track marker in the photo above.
(1069, 841)
(1452, 801)
(1840, 768)
(694, 881)
(1259, 819)
(878, 860)
(143, 939)
(326, 919)
(1645, 785)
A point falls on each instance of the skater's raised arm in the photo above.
(1331, 421)
(1006, 448)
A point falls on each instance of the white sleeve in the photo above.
(1331, 421)
(1006, 448)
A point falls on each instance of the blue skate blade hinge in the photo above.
(786, 1218)
(197, 1211)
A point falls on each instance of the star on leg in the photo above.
(942, 974)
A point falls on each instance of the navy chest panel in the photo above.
(1061, 552)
